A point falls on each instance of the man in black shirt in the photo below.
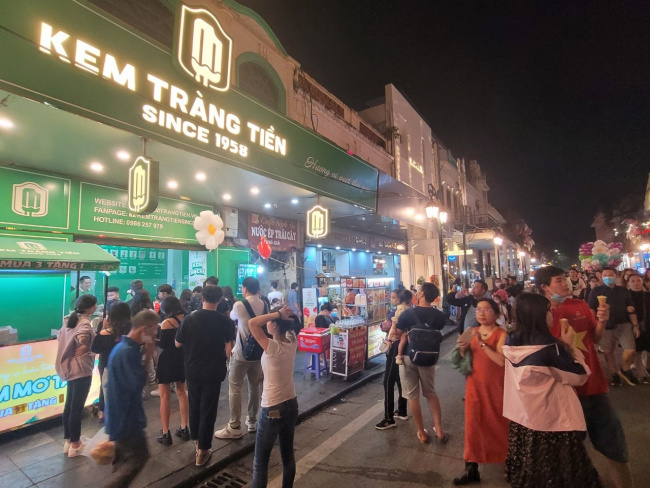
(621, 328)
(206, 337)
(411, 376)
(467, 304)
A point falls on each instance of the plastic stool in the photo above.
(314, 365)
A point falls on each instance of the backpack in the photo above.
(424, 343)
(251, 349)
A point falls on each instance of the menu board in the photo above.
(375, 338)
(140, 262)
(356, 349)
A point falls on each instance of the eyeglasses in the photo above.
(484, 310)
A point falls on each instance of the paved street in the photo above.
(340, 446)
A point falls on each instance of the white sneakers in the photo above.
(75, 451)
(229, 433)
(252, 426)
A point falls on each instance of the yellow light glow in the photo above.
(226, 196)
(6, 123)
(172, 184)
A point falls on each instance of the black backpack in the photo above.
(424, 343)
(251, 349)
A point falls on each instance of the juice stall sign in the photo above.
(30, 389)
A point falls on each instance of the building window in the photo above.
(257, 78)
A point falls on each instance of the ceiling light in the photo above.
(173, 184)
(97, 167)
(267, 205)
(260, 269)
(226, 196)
(255, 190)
(200, 176)
(319, 245)
(338, 248)
(354, 248)
(123, 155)
(294, 201)
(6, 123)
(367, 250)
(187, 199)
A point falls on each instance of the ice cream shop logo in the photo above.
(203, 49)
(318, 222)
(29, 200)
(31, 246)
(143, 186)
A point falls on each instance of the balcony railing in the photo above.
(479, 221)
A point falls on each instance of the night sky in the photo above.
(552, 98)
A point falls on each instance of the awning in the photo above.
(41, 254)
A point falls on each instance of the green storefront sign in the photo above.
(104, 210)
(103, 70)
(29, 199)
(91, 209)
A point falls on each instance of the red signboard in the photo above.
(281, 234)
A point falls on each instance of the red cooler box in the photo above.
(314, 339)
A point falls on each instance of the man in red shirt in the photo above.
(603, 424)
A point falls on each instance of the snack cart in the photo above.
(29, 385)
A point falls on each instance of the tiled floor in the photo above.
(37, 459)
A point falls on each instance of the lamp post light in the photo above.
(433, 213)
(522, 256)
(498, 241)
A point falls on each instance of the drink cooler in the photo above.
(314, 339)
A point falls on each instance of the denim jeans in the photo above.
(278, 421)
(75, 398)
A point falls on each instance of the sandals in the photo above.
(444, 438)
(426, 438)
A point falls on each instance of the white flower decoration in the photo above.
(209, 227)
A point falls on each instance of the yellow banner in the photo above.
(30, 389)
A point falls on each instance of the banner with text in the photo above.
(281, 234)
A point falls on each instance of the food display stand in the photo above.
(372, 303)
(30, 389)
(348, 346)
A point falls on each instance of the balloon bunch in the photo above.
(597, 254)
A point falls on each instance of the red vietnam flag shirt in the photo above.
(579, 315)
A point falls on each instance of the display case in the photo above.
(348, 343)
(369, 298)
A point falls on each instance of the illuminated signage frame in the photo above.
(143, 177)
(324, 219)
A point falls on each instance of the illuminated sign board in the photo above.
(318, 222)
(203, 49)
(143, 186)
(30, 389)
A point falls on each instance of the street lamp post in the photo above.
(433, 213)
(498, 241)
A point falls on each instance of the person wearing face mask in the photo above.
(125, 417)
(603, 424)
(621, 328)
(641, 302)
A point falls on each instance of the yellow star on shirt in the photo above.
(578, 339)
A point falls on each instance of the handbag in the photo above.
(384, 347)
(462, 364)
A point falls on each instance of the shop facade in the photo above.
(84, 94)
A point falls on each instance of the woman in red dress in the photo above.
(486, 429)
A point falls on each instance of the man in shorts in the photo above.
(413, 377)
(603, 424)
(622, 327)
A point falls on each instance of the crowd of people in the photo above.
(534, 387)
(189, 347)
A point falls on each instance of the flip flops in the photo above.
(426, 438)
(444, 438)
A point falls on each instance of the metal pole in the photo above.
(465, 248)
(443, 278)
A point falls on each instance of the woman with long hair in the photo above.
(186, 296)
(279, 412)
(486, 429)
(141, 301)
(116, 324)
(641, 302)
(547, 428)
(227, 302)
(402, 300)
(171, 370)
(74, 364)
